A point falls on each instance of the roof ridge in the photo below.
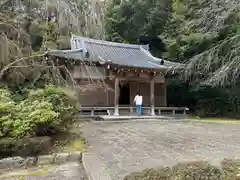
(109, 43)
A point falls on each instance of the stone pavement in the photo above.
(128, 146)
(67, 171)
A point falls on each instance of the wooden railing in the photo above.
(130, 109)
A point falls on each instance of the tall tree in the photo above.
(128, 20)
(29, 28)
(205, 34)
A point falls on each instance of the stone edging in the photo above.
(58, 158)
(94, 169)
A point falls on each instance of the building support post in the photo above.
(165, 94)
(152, 97)
(116, 98)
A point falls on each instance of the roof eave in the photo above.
(63, 53)
(158, 60)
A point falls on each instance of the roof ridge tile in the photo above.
(109, 43)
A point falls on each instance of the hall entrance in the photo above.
(124, 95)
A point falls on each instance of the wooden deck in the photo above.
(129, 111)
(119, 118)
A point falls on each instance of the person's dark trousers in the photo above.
(139, 109)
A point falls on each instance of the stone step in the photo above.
(94, 168)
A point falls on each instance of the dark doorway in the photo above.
(124, 96)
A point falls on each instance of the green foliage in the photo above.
(229, 170)
(30, 28)
(205, 101)
(204, 34)
(151, 174)
(197, 170)
(6, 103)
(128, 20)
(63, 101)
(184, 171)
(42, 110)
(230, 167)
(25, 147)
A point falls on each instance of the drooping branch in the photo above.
(219, 67)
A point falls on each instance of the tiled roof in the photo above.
(68, 54)
(128, 55)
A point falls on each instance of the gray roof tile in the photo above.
(123, 56)
(116, 53)
(68, 54)
(129, 55)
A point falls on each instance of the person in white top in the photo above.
(138, 99)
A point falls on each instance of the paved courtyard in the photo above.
(128, 146)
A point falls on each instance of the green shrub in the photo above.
(25, 117)
(43, 112)
(197, 170)
(151, 174)
(6, 103)
(184, 171)
(7, 106)
(231, 168)
(63, 101)
(25, 147)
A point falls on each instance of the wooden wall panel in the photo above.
(88, 72)
(160, 96)
(93, 96)
(100, 96)
(144, 89)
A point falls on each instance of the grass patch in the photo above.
(28, 172)
(70, 141)
(76, 145)
(214, 120)
(38, 173)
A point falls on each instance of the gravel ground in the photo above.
(124, 147)
(68, 171)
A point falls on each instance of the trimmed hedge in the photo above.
(197, 170)
(229, 170)
(151, 174)
(25, 147)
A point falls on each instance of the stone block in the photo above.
(29, 161)
(17, 162)
(61, 158)
(46, 159)
(75, 156)
(9, 163)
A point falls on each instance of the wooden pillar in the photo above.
(116, 98)
(173, 112)
(152, 97)
(165, 94)
(92, 112)
(107, 97)
(184, 111)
